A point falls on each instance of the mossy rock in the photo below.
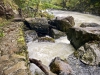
(89, 53)
(46, 39)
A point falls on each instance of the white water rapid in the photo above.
(46, 51)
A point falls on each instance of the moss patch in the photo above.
(22, 45)
(21, 42)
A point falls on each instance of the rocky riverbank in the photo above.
(13, 51)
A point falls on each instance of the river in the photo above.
(78, 17)
(46, 51)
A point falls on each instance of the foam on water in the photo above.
(46, 51)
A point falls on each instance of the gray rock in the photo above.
(63, 24)
(56, 33)
(71, 20)
(89, 25)
(78, 36)
(30, 35)
(89, 53)
(40, 25)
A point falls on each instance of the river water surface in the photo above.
(78, 17)
(46, 51)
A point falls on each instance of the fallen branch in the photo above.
(40, 65)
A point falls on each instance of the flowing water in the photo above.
(46, 51)
(78, 17)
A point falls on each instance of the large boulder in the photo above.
(30, 35)
(89, 25)
(78, 36)
(60, 67)
(63, 24)
(40, 25)
(56, 33)
(89, 53)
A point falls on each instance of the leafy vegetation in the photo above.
(92, 6)
(32, 8)
(11, 3)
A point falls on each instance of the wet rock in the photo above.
(80, 68)
(30, 35)
(63, 23)
(78, 36)
(40, 25)
(60, 67)
(89, 53)
(56, 33)
(89, 25)
(46, 39)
